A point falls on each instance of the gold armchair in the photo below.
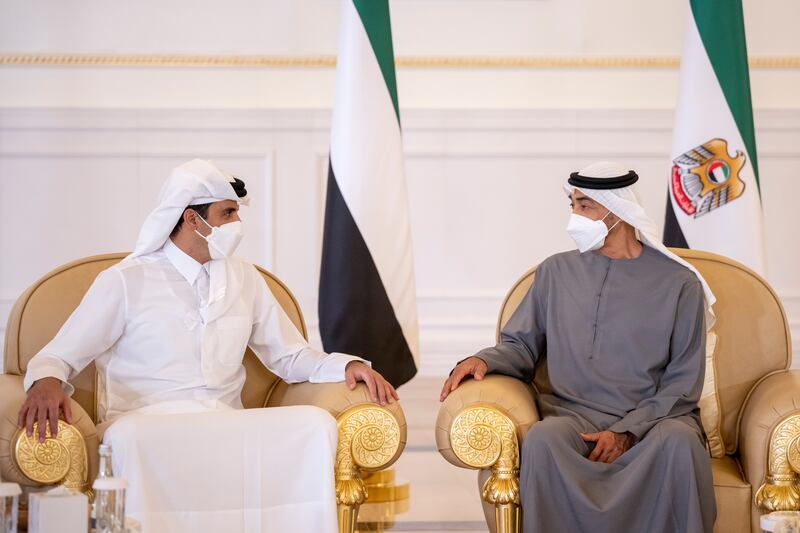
(482, 423)
(371, 437)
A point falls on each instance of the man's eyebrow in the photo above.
(582, 198)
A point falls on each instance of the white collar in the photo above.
(184, 263)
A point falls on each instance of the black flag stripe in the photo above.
(355, 314)
(673, 235)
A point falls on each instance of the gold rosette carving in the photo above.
(475, 436)
(483, 437)
(781, 488)
(369, 439)
(57, 460)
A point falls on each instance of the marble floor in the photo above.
(442, 497)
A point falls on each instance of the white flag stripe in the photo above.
(367, 160)
(735, 229)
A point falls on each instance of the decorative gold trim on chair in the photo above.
(323, 61)
(483, 437)
(61, 459)
(781, 488)
(369, 438)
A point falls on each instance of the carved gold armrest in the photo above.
(769, 442)
(60, 460)
(781, 488)
(69, 459)
(483, 437)
(370, 439)
(479, 426)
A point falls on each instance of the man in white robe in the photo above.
(167, 328)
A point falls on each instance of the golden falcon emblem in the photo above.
(707, 177)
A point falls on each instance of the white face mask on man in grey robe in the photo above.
(622, 201)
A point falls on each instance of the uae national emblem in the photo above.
(707, 177)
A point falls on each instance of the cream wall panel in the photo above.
(484, 191)
(312, 88)
(60, 202)
(421, 28)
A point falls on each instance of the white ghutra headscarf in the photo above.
(195, 182)
(624, 203)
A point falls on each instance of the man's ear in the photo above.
(189, 218)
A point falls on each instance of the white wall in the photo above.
(421, 28)
(485, 194)
(487, 148)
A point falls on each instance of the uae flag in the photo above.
(367, 296)
(714, 200)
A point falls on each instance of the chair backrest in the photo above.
(43, 308)
(753, 333)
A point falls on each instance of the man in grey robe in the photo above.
(621, 325)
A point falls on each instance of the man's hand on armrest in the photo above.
(380, 390)
(46, 399)
(472, 366)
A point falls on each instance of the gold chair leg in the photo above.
(350, 494)
(507, 515)
(502, 490)
(481, 437)
(781, 488)
(348, 517)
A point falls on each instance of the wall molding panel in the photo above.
(484, 191)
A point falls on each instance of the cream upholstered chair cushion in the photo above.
(709, 402)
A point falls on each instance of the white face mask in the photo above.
(588, 234)
(223, 240)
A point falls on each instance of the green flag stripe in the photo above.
(375, 17)
(720, 24)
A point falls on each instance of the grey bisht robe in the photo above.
(623, 342)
